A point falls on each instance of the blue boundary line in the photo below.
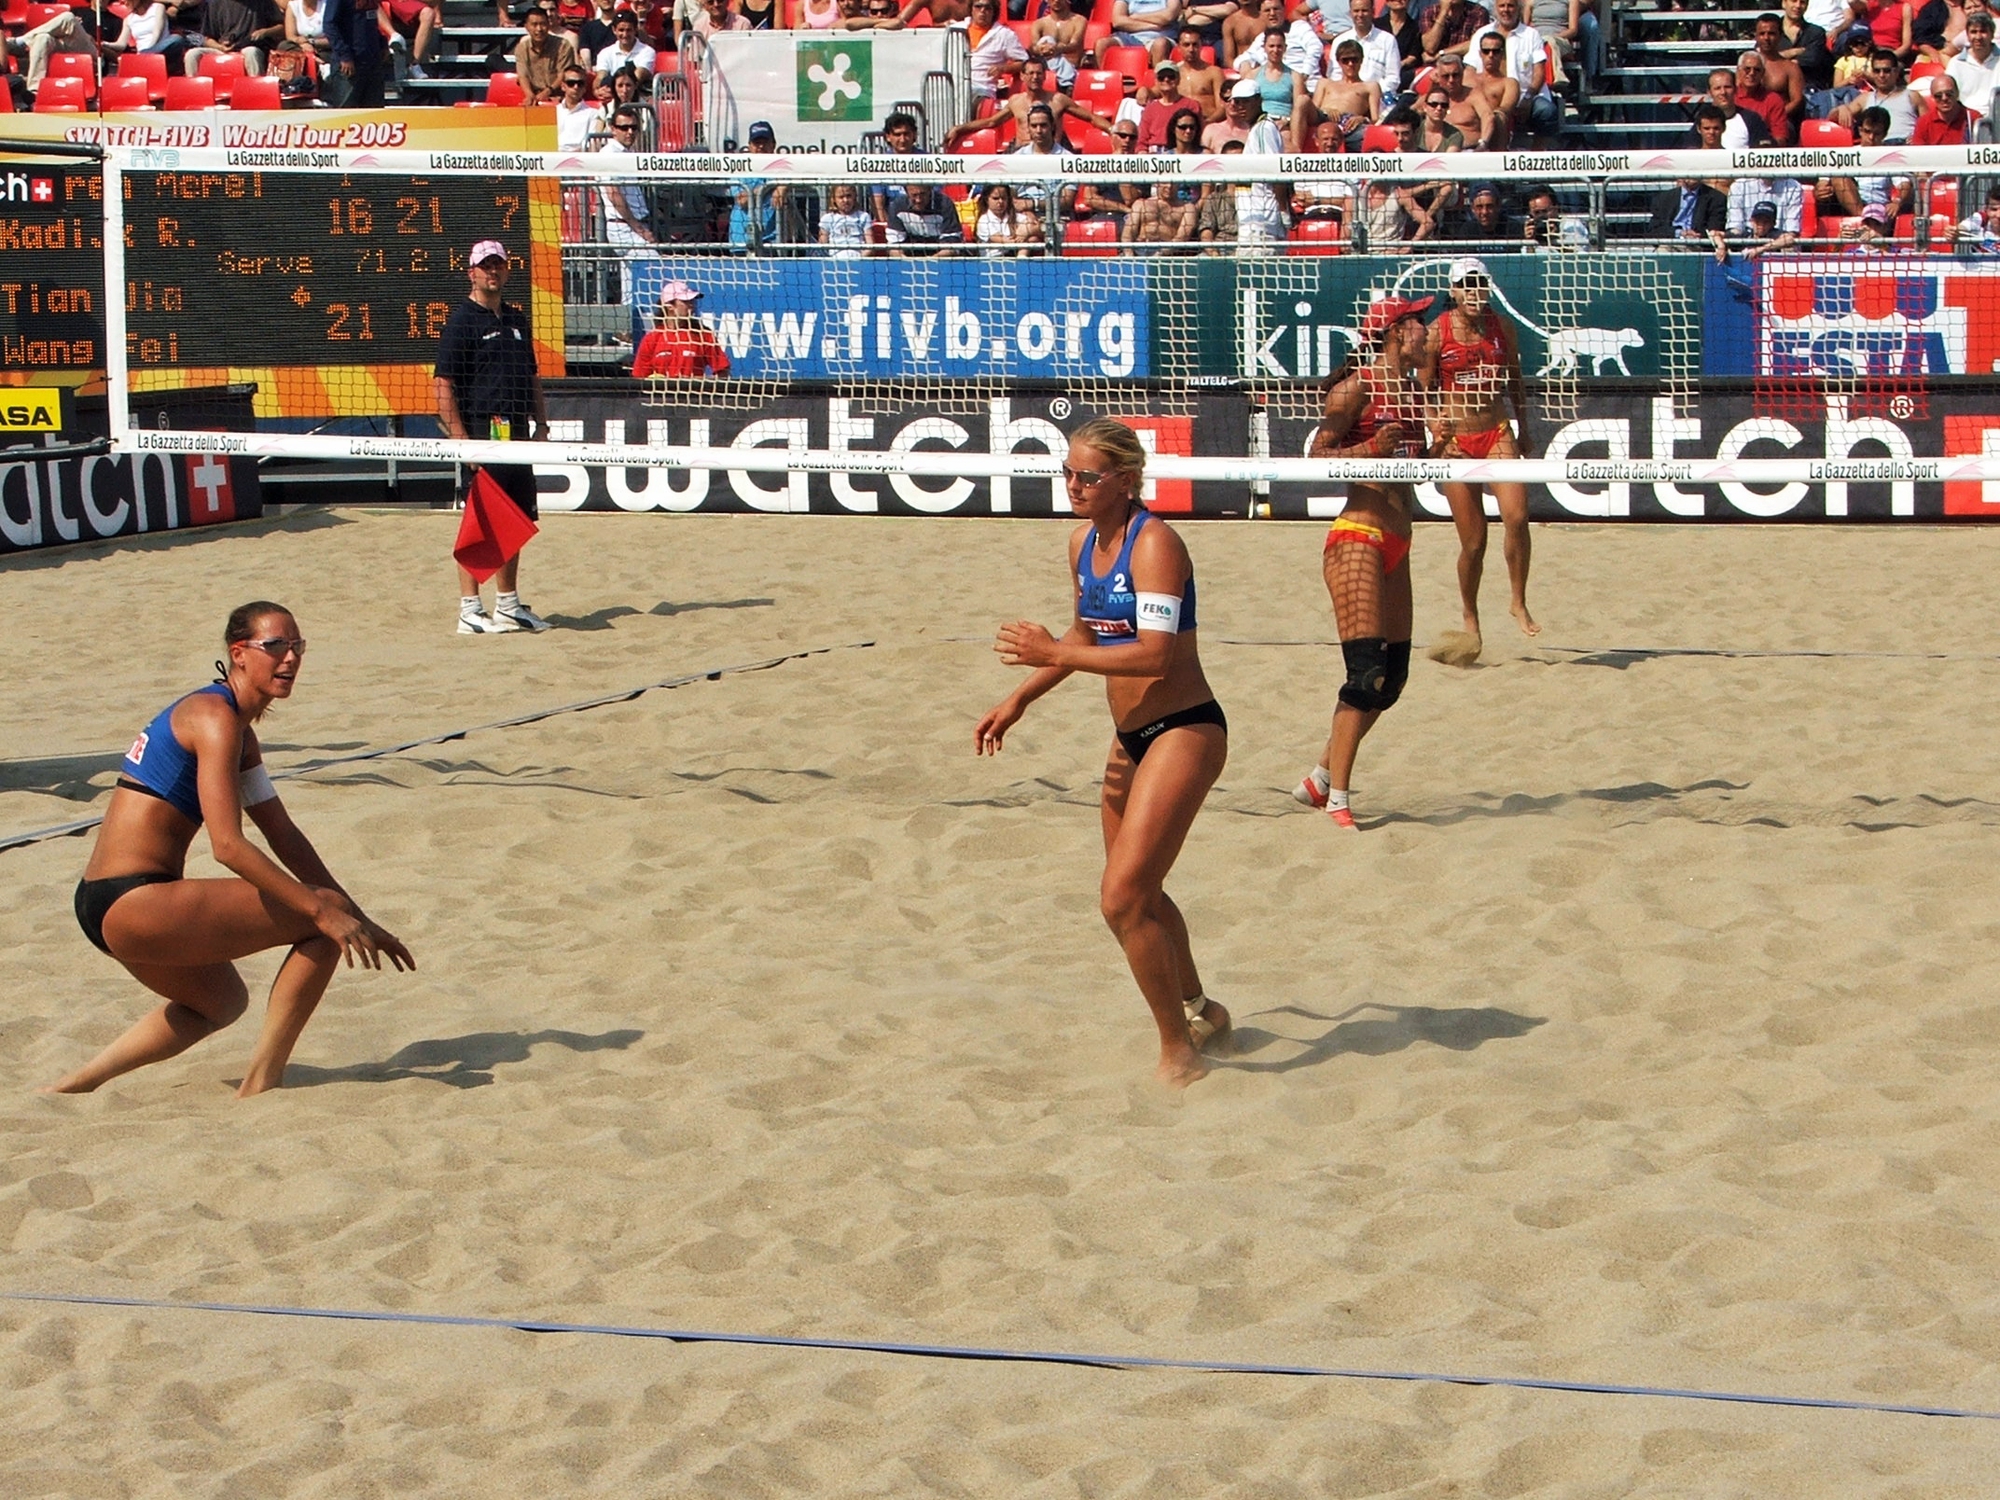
(1000, 1356)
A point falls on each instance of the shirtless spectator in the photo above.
(1159, 218)
(1468, 112)
(1057, 39)
(1351, 104)
(1215, 221)
(1241, 31)
(1167, 101)
(1200, 81)
(1500, 89)
(1755, 95)
(1143, 23)
(1781, 75)
(1034, 75)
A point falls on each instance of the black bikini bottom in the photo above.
(1138, 741)
(95, 898)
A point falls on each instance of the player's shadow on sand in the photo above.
(65, 776)
(1391, 1028)
(463, 1062)
(602, 619)
(1520, 804)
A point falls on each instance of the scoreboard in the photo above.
(250, 268)
(327, 291)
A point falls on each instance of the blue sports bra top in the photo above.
(1109, 606)
(159, 764)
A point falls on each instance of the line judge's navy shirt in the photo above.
(490, 361)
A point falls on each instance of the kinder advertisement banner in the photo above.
(1025, 422)
(300, 130)
(53, 501)
(1580, 317)
(820, 90)
(1888, 317)
(1625, 422)
(918, 319)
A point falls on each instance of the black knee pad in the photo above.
(1399, 670)
(1367, 685)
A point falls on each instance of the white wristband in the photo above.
(254, 786)
(1160, 612)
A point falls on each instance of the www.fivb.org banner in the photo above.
(941, 319)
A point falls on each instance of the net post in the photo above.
(117, 367)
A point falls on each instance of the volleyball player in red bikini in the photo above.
(1372, 411)
(1473, 361)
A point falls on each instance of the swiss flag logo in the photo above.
(42, 189)
(210, 497)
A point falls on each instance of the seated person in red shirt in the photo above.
(1948, 122)
(1754, 93)
(681, 345)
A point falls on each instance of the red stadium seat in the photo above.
(1135, 62)
(1318, 237)
(1378, 137)
(224, 68)
(1836, 227)
(121, 93)
(58, 96)
(1905, 227)
(1926, 69)
(6, 100)
(1944, 196)
(256, 93)
(14, 15)
(1086, 138)
(980, 143)
(1099, 89)
(1824, 133)
(1090, 237)
(505, 88)
(76, 65)
(1809, 217)
(1093, 33)
(40, 15)
(190, 93)
(151, 66)
(1025, 30)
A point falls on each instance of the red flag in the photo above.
(492, 528)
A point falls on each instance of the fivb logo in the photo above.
(19, 187)
(836, 80)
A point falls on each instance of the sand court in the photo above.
(1648, 1036)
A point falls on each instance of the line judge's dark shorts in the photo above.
(1138, 741)
(518, 480)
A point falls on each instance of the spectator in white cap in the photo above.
(679, 346)
(488, 389)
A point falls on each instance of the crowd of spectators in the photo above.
(1192, 76)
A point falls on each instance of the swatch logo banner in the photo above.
(1830, 319)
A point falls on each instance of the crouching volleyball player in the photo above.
(199, 763)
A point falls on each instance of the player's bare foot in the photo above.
(1457, 648)
(68, 1085)
(1525, 620)
(1179, 1069)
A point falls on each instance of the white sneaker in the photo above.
(1308, 792)
(520, 617)
(478, 622)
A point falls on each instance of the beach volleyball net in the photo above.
(311, 289)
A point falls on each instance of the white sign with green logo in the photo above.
(820, 91)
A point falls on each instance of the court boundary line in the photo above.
(996, 1356)
(533, 716)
